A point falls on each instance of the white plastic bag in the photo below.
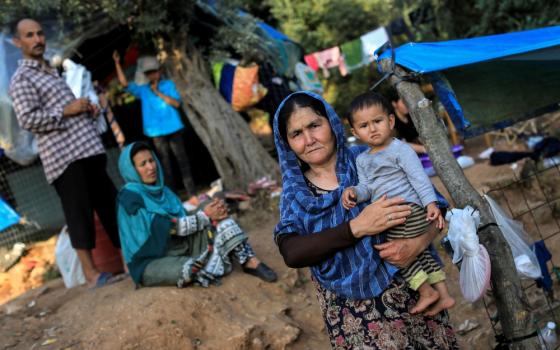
(474, 277)
(67, 261)
(519, 242)
(78, 79)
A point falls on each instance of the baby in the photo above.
(392, 167)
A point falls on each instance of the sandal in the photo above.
(262, 271)
(104, 279)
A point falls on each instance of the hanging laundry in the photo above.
(328, 58)
(331, 58)
(372, 41)
(308, 79)
(311, 61)
(353, 54)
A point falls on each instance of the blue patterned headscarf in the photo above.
(356, 272)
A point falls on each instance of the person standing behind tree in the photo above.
(404, 126)
(70, 148)
(160, 117)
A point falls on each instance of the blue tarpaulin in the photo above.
(490, 82)
(438, 56)
(8, 216)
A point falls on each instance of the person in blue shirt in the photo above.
(160, 117)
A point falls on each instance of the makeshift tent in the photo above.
(490, 82)
(281, 51)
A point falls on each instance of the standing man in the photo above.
(160, 117)
(70, 149)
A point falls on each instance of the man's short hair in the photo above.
(15, 23)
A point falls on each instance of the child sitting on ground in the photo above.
(392, 167)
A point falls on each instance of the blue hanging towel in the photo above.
(543, 255)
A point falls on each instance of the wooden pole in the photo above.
(513, 310)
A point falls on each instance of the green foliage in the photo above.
(319, 24)
(340, 91)
(315, 24)
(461, 19)
(149, 20)
(238, 35)
(511, 15)
(154, 17)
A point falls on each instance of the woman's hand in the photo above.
(402, 252)
(216, 210)
(379, 216)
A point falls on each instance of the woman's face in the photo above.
(400, 107)
(310, 137)
(145, 166)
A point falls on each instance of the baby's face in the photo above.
(373, 125)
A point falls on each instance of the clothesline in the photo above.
(350, 55)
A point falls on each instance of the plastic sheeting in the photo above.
(439, 56)
(18, 144)
(8, 216)
(490, 82)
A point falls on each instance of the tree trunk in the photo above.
(237, 153)
(513, 310)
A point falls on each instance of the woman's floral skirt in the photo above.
(383, 322)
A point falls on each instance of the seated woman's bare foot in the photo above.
(428, 296)
(443, 303)
(252, 263)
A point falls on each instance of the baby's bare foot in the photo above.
(443, 303)
(427, 298)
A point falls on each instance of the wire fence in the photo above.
(534, 200)
(26, 190)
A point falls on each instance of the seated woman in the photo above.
(162, 244)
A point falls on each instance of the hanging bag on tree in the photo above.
(519, 242)
(474, 276)
(247, 91)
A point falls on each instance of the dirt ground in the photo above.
(242, 313)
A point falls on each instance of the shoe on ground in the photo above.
(262, 271)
